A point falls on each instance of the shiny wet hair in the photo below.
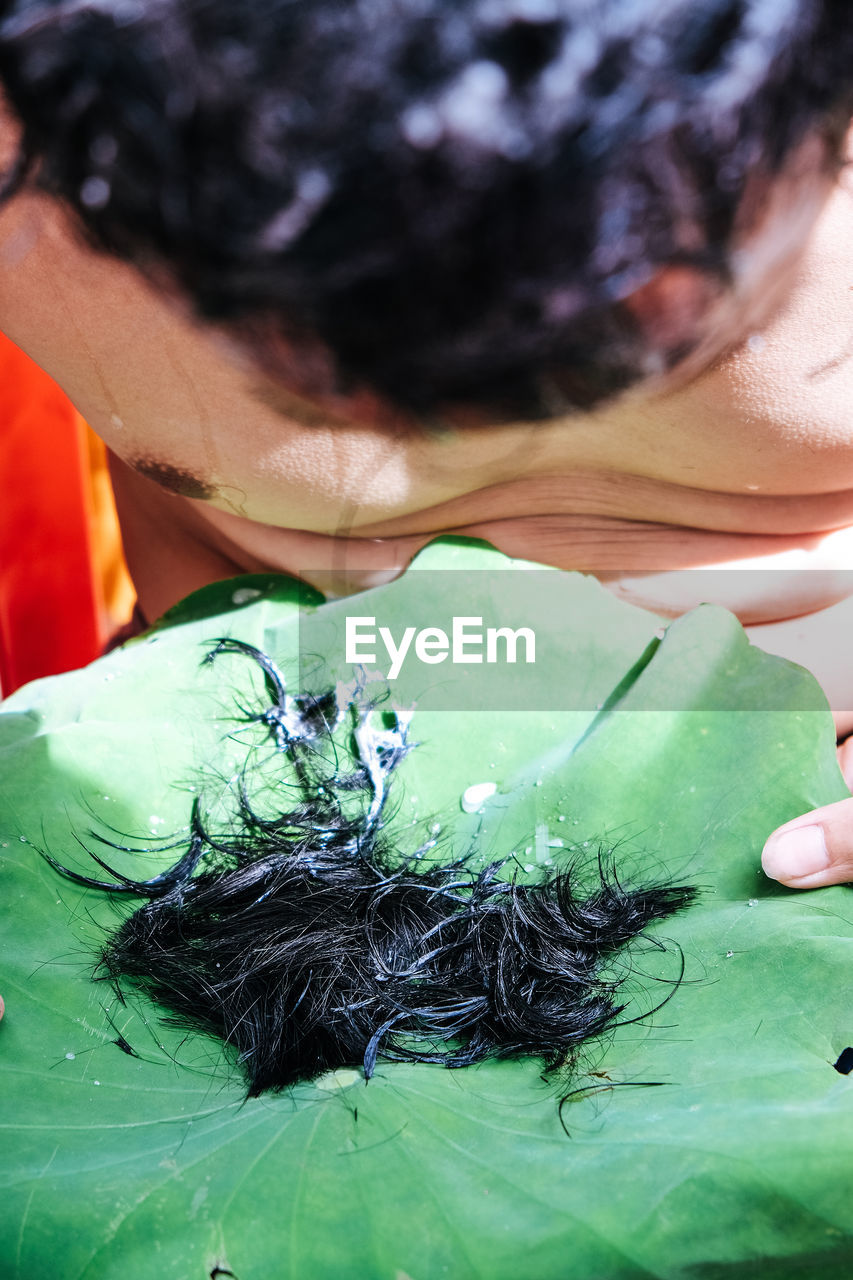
(446, 200)
(307, 940)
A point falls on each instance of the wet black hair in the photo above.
(446, 200)
(307, 941)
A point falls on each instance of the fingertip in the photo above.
(813, 850)
(795, 854)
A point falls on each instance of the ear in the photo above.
(672, 309)
(10, 137)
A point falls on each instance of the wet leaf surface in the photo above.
(128, 1148)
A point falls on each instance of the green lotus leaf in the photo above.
(710, 1139)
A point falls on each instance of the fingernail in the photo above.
(795, 854)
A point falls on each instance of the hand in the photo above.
(817, 848)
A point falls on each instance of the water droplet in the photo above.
(556, 843)
(117, 422)
(753, 902)
(95, 192)
(421, 126)
(71, 1056)
(435, 828)
(729, 955)
(109, 675)
(528, 866)
(474, 796)
(154, 821)
(756, 342)
(23, 839)
(340, 1079)
(96, 1082)
(561, 817)
(244, 595)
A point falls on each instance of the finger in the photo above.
(845, 760)
(813, 850)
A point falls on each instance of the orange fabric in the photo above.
(108, 565)
(52, 611)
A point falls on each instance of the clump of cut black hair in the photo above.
(307, 942)
(447, 201)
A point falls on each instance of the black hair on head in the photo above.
(306, 942)
(447, 200)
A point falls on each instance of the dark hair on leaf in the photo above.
(307, 942)
(447, 200)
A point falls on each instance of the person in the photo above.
(572, 277)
